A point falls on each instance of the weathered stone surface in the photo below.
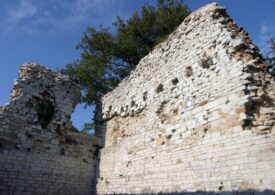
(196, 115)
(40, 151)
(206, 122)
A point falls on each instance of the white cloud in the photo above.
(32, 16)
(264, 28)
(15, 15)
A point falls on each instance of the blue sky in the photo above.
(47, 31)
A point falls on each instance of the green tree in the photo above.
(107, 58)
(271, 57)
(272, 47)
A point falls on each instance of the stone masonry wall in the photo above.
(197, 114)
(40, 151)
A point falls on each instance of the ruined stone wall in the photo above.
(40, 151)
(197, 114)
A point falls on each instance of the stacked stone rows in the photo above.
(195, 115)
(40, 151)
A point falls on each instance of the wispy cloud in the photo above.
(31, 16)
(267, 31)
(16, 15)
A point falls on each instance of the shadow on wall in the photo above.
(100, 132)
(247, 192)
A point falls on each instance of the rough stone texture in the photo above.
(40, 151)
(197, 114)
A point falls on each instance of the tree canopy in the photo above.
(270, 56)
(106, 58)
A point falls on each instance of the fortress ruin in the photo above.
(195, 116)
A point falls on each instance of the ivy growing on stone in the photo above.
(45, 110)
